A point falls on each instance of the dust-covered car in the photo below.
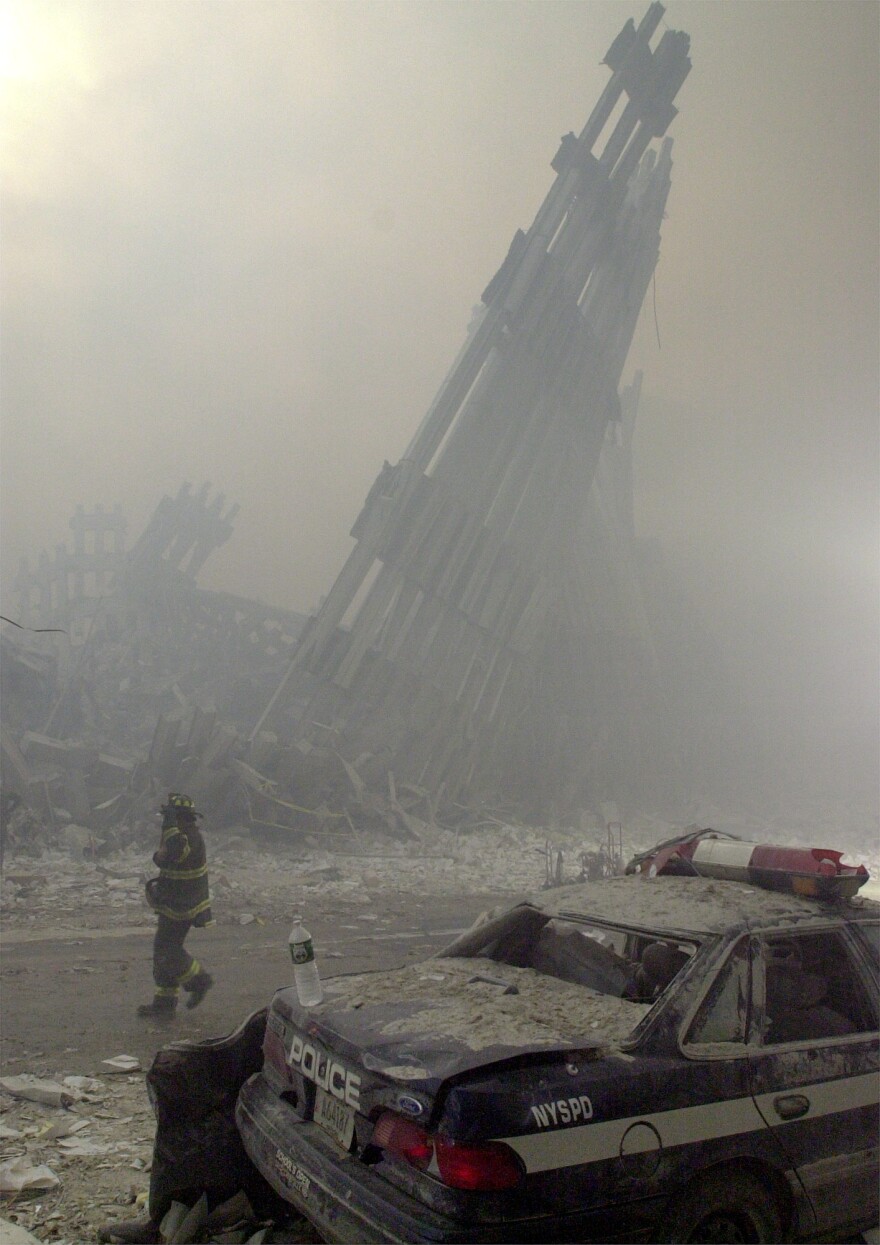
(642, 1058)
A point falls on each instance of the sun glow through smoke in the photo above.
(40, 45)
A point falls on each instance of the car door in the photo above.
(814, 1063)
(715, 1044)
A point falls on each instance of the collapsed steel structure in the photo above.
(456, 642)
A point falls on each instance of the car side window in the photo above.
(723, 1014)
(870, 931)
(813, 989)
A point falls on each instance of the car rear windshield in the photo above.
(630, 964)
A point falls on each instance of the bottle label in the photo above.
(302, 952)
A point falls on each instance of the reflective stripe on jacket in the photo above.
(181, 891)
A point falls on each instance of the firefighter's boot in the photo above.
(198, 988)
(162, 1008)
(143, 1231)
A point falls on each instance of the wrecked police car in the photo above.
(642, 1058)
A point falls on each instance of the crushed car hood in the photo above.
(443, 1017)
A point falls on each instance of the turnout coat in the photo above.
(180, 892)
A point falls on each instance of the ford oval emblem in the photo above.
(411, 1106)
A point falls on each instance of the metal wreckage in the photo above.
(498, 640)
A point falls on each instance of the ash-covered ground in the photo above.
(76, 948)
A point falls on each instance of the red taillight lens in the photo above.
(402, 1137)
(486, 1168)
(489, 1167)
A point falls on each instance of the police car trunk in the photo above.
(405, 1092)
(459, 1099)
(399, 1084)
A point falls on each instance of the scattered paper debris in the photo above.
(182, 1223)
(79, 1147)
(121, 1063)
(50, 1093)
(233, 1213)
(84, 1084)
(61, 1128)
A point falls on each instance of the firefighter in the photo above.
(179, 896)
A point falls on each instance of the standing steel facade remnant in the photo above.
(448, 635)
(183, 532)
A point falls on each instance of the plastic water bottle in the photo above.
(305, 970)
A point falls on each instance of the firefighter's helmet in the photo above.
(182, 804)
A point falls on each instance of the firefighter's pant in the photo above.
(172, 965)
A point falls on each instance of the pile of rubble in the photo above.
(68, 888)
(66, 885)
(55, 1127)
(122, 679)
(76, 1152)
(121, 676)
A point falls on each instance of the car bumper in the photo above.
(347, 1201)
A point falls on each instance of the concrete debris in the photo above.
(19, 1175)
(479, 1003)
(35, 1089)
(149, 683)
(12, 1234)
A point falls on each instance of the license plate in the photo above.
(336, 1118)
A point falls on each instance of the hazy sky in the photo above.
(241, 242)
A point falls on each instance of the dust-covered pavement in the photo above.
(76, 950)
(69, 1004)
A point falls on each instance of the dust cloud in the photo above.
(242, 242)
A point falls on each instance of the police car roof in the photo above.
(687, 904)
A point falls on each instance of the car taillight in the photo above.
(402, 1137)
(490, 1167)
(487, 1168)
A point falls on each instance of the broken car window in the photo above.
(655, 964)
(870, 931)
(723, 1014)
(610, 961)
(813, 989)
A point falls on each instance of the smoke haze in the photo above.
(241, 243)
